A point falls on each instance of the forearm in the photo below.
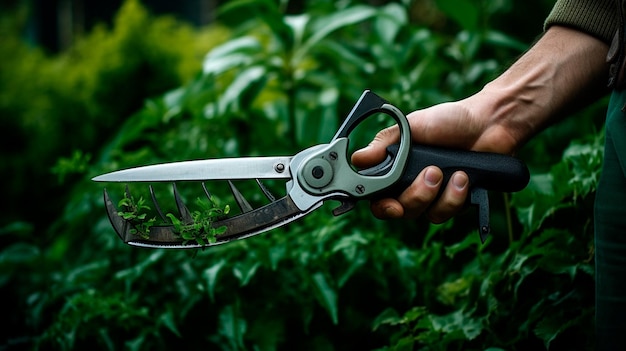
(564, 71)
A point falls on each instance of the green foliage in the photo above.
(275, 84)
(73, 102)
(201, 229)
(135, 215)
(78, 163)
(542, 281)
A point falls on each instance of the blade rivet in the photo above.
(332, 155)
(360, 189)
(280, 168)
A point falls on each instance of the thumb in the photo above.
(376, 151)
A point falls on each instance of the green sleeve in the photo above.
(599, 18)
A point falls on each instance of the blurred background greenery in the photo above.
(90, 87)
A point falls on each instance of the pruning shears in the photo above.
(314, 176)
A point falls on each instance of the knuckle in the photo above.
(448, 205)
(422, 193)
(415, 199)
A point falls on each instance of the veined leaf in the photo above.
(388, 317)
(168, 320)
(393, 18)
(237, 52)
(232, 327)
(354, 264)
(550, 327)
(211, 277)
(18, 253)
(298, 26)
(245, 81)
(244, 272)
(323, 26)
(502, 40)
(458, 321)
(327, 296)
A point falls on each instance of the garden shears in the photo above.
(313, 176)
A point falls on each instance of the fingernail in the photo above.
(460, 181)
(431, 177)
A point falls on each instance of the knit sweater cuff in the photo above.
(598, 18)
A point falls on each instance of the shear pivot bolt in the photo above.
(317, 172)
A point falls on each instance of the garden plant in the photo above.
(265, 79)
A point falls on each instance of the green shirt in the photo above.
(599, 18)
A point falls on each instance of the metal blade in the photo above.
(244, 205)
(120, 225)
(156, 204)
(185, 215)
(206, 192)
(266, 191)
(218, 169)
(257, 221)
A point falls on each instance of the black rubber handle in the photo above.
(489, 171)
(486, 172)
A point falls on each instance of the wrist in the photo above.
(563, 72)
(503, 116)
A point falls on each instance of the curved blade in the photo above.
(273, 215)
(213, 169)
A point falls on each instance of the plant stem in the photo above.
(509, 220)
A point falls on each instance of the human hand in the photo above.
(454, 125)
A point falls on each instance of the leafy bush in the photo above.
(71, 103)
(277, 84)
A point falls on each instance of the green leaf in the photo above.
(276, 253)
(298, 26)
(341, 53)
(210, 275)
(458, 321)
(234, 53)
(245, 271)
(387, 317)
(136, 343)
(353, 266)
(348, 244)
(323, 26)
(140, 268)
(175, 221)
(500, 39)
(232, 327)
(550, 327)
(269, 11)
(464, 12)
(14, 257)
(17, 228)
(248, 80)
(393, 18)
(469, 242)
(327, 296)
(168, 320)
